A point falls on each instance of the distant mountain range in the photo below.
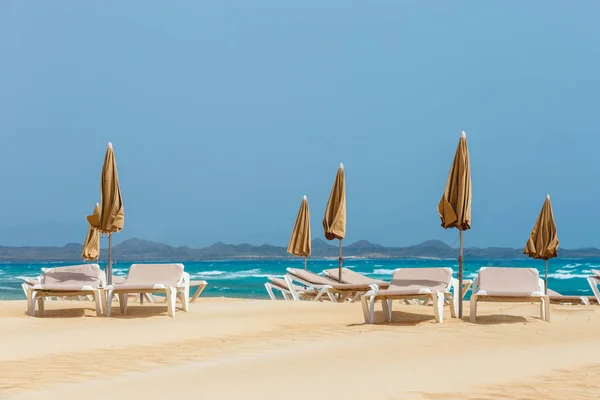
(145, 250)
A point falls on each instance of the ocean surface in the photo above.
(246, 278)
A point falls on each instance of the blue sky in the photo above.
(223, 114)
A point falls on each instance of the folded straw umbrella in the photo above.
(455, 206)
(299, 244)
(334, 222)
(111, 204)
(543, 241)
(91, 246)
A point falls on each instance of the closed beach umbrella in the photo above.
(543, 241)
(455, 206)
(299, 244)
(91, 246)
(334, 222)
(112, 215)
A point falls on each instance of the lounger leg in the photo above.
(355, 297)
(365, 307)
(372, 309)
(171, 300)
(473, 313)
(33, 301)
(386, 305)
(186, 298)
(40, 301)
(546, 300)
(542, 309)
(198, 292)
(593, 281)
(28, 291)
(453, 306)
(584, 300)
(109, 297)
(438, 306)
(293, 289)
(123, 302)
(270, 291)
(98, 302)
(103, 299)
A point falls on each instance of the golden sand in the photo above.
(253, 349)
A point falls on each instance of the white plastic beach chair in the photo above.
(435, 284)
(169, 279)
(281, 285)
(337, 292)
(60, 282)
(502, 284)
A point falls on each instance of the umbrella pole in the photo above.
(305, 263)
(340, 263)
(109, 266)
(460, 277)
(546, 279)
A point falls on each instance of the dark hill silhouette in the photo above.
(146, 250)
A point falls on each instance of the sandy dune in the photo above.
(225, 348)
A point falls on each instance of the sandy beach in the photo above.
(226, 348)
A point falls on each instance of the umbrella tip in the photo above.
(304, 197)
(548, 196)
(463, 134)
(341, 165)
(109, 145)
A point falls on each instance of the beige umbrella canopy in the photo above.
(543, 241)
(299, 244)
(112, 214)
(334, 222)
(91, 246)
(455, 206)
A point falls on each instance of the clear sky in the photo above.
(224, 113)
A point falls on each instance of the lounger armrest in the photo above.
(542, 286)
(475, 286)
(185, 280)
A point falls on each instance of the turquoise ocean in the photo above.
(246, 278)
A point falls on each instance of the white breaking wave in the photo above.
(559, 275)
(383, 271)
(571, 266)
(215, 275)
(9, 288)
(210, 273)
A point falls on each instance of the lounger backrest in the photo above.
(309, 276)
(505, 281)
(74, 275)
(167, 274)
(433, 278)
(349, 276)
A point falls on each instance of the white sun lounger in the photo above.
(76, 280)
(337, 292)
(496, 284)
(169, 279)
(558, 298)
(281, 285)
(414, 283)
